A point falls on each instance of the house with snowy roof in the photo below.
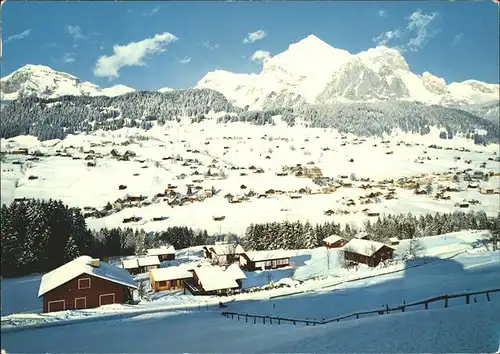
(235, 272)
(223, 254)
(169, 278)
(261, 260)
(164, 253)
(136, 265)
(367, 252)
(334, 241)
(211, 280)
(85, 283)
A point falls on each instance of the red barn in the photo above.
(85, 283)
(334, 241)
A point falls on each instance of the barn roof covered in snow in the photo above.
(257, 256)
(161, 251)
(170, 273)
(82, 265)
(235, 272)
(364, 247)
(214, 278)
(332, 239)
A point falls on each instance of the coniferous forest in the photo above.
(38, 236)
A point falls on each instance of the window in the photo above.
(83, 283)
(163, 283)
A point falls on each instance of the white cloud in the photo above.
(385, 37)
(255, 36)
(418, 23)
(75, 32)
(69, 58)
(18, 36)
(210, 46)
(260, 56)
(131, 54)
(185, 60)
(457, 39)
(382, 13)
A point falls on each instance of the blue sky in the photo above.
(174, 44)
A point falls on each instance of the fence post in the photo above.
(264, 319)
(387, 308)
(488, 296)
(238, 317)
(294, 322)
(254, 319)
(446, 301)
(279, 322)
(246, 317)
(232, 315)
(338, 320)
(403, 308)
(357, 316)
(426, 305)
(270, 320)
(467, 299)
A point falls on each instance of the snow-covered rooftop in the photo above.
(332, 239)
(256, 256)
(170, 273)
(130, 263)
(364, 247)
(214, 278)
(361, 235)
(161, 251)
(235, 272)
(394, 239)
(148, 261)
(81, 265)
(227, 249)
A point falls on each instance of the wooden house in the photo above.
(486, 190)
(85, 283)
(147, 263)
(131, 265)
(367, 252)
(223, 254)
(170, 278)
(211, 280)
(334, 241)
(260, 260)
(164, 253)
(362, 236)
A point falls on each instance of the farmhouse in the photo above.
(334, 241)
(362, 236)
(148, 263)
(170, 278)
(260, 260)
(486, 190)
(131, 265)
(223, 254)
(164, 253)
(85, 283)
(367, 252)
(211, 280)
(394, 241)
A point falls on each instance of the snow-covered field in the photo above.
(240, 145)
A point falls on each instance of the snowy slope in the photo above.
(42, 81)
(314, 72)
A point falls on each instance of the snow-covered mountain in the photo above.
(42, 81)
(312, 71)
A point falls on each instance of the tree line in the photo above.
(298, 235)
(40, 235)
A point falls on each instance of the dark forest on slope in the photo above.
(57, 117)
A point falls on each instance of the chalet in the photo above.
(223, 254)
(211, 280)
(164, 253)
(147, 263)
(367, 252)
(170, 278)
(334, 241)
(131, 265)
(85, 283)
(362, 236)
(260, 260)
(394, 241)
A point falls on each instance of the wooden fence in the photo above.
(386, 310)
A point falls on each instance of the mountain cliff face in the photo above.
(311, 71)
(43, 82)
